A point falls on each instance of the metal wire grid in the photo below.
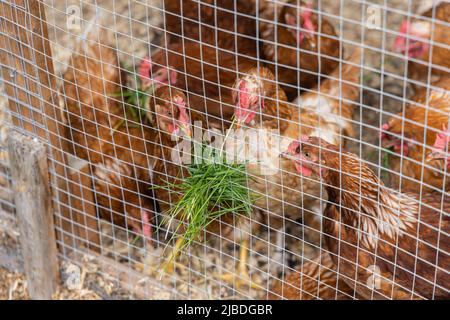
(204, 258)
(6, 201)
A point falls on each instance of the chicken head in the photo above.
(171, 112)
(412, 38)
(308, 155)
(248, 96)
(300, 23)
(154, 75)
(390, 139)
(441, 147)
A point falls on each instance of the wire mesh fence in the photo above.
(6, 200)
(183, 150)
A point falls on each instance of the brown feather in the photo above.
(92, 77)
(206, 73)
(280, 47)
(122, 179)
(429, 111)
(315, 279)
(366, 225)
(285, 194)
(120, 165)
(440, 50)
(166, 171)
(228, 25)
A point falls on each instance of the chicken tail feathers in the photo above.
(91, 87)
(95, 56)
(93, 32)
(94, 44)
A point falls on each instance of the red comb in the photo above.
(146, 230)
(400, 40)
(144, 69)
(243, 95)
(172, 76)
(384, 127)
(306, 16)
(293, 146)
(181, 104)
(404, 27)
(306, 12)
(304, 138)
(442, 138)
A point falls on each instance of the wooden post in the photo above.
(34, 211)
(27, 69)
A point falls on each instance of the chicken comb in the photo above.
(404, 27)
(384, 127)
(243, 94)
(144, 69)
(399, 43)
(442, 138)
(304, 138)
(147, 229)
(305, 14)
(181, 104)
(293, 147)
(173, 75)
(161, 76)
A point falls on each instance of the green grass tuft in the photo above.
(386, 162)
(134, 100)
(210, 191)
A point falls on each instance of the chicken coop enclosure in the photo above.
(230, 149)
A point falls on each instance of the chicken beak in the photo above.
(435, 155)
(287, 155)
(387, 144)
(186, 129)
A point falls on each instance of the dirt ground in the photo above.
(134, 25)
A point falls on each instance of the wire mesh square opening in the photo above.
(263, 149)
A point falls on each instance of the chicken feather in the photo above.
(327, 110)
(385, 244)
(293, 46)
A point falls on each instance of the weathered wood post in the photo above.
(30, 84)
(29, 170)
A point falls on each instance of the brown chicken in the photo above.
(328, 111)
(92, 77)
(167, 170)
(410, 132)
(168, 104)
(315, 279)
(117, 153)
(125, 171)
(385, 244)
(122, 180)
(224, 24)
(292, 45)
(414, 40)
(206, 75)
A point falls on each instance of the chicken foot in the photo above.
(169, 266)
(242, 278)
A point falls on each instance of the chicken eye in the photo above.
(307, 154)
